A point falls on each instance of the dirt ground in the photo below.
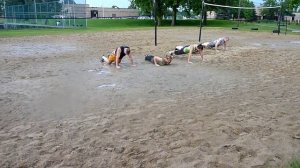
(238, 108)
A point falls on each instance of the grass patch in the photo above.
(294, 164)
(119, 23)
(96, 25)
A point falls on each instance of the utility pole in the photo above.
(239, 13)
(201, 20)
(279, 17)
(155, 22)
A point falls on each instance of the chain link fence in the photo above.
(56, 14)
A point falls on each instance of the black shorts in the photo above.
(149, 58)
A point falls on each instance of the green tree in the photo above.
(292, 5)
(160, 10)
(271, 12)
(248, 14)
(195, 6)
(1, 8)
(147, 7)
(132, 5)
(174, 5)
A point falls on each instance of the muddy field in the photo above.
(60, 107)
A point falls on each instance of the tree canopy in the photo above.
(193, 7)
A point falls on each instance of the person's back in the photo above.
(221, 41)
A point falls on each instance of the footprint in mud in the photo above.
(205, 147)
(235, 133)
(216, 164)
(229, 149)
(199, 164)
(247, 153)
(264, 132)
(234, 149)
(188, 159)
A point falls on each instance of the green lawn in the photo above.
(294, 164)
(95, 25)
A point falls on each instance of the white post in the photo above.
(5, 20)
(85, 7)
(35, 12)
(69, 16)
(102, 11)
(63, 13)
(73, 9)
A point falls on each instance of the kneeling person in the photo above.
(117, 55)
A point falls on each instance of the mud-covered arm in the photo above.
(118, 53)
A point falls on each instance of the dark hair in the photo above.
(200, 46)
(128, 51)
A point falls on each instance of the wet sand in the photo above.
(60, 107)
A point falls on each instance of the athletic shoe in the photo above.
(171, 53)
(102, 59)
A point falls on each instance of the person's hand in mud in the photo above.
(131, 59)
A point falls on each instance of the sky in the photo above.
(126, 3)
(108, 3)
(257, 2)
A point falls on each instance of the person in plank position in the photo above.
(188, 49)
(217, 43)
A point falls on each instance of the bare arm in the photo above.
(131, 59)
(217, 44)
(118, 57)
(190, 54)
(156, 59)
(201, 54)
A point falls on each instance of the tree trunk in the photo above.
(205, 17)
(159, 21)
(174, 14)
